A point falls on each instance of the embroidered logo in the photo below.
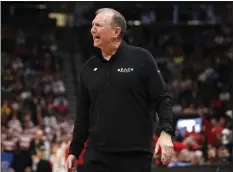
(125, 70)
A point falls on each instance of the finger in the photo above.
(170, 149)
(66, 165)
(156, 148)
(164, 156)
(74, 169)
(165, 162)
(164, 159)
(70, 170)
(167, 154)
(69, 164)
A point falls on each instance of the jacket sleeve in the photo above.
(158, 95)
(80, 132)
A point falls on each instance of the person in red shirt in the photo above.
(222, 122)
(186, 133)
(213, 133)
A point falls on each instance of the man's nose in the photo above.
(93, 30)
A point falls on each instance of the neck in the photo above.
(110, 49)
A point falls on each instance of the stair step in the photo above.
(70, 89)
(71, 97)
(71, 92)
(72, 100)
(71, 103)
(72, 109)
(68, 77)
(69, 80)
(69, 83)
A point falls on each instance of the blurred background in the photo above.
(45, 43)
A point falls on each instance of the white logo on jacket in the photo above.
(125, 70)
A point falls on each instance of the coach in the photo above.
(118, 92)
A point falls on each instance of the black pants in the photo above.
(96, 161)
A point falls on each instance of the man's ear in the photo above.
(117, 32)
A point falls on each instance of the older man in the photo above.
(118, 92)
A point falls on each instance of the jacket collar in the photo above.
(119, 53)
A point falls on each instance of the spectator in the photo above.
(223, 156)
(6, 160)
(213, 133)
(58, 86)
(60, 105)
(58, 158)
(42, 165)
(36, 143)
(10, 143)
(5, 110)
(212, 155)
(183, 159)
(22, 159)
(197, 158)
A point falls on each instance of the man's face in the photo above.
(213, 122)
(102, 30)
(38, 135)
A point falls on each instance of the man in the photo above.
(118, 92)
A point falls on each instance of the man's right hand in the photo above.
(71, 163)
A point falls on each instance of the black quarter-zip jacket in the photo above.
(116, 99)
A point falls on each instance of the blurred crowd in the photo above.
(34, 107)
(198, 70)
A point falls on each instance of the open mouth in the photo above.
(96, 37)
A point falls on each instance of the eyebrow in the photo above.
(97, 23)
(94, 22)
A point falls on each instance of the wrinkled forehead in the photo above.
(104, 17)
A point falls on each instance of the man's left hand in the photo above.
(167, 149)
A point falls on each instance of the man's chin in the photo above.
(97, 45)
